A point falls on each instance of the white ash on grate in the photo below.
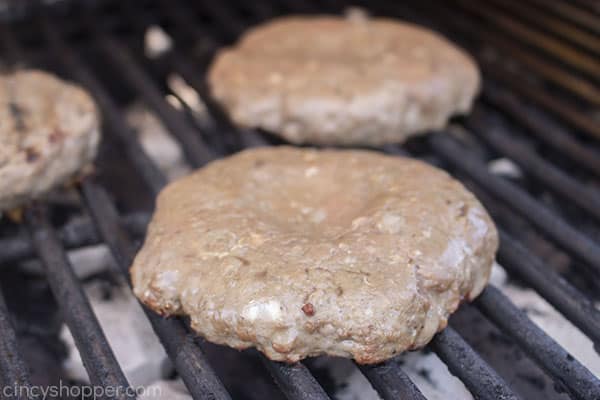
(156, 42)
(129, 333)
(550, 320)
(186, 96)
(157, 142)
(505, 167)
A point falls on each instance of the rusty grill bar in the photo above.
(564, 60)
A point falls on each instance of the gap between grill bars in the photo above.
(295, 381)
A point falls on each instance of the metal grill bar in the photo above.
(536, 16)
(193, 77)
(446, 17)
(262, 11)
(553, 73)
(219, 126)
(185, 22)
(543, 128)
(555, 105)
(555, 48)
(558, 292)
(11, 51)
(13, 371)
(589, 5)
(221, 11)
(538, 345)
(96, 354)
(192, 145)
(295, 381)
(193, 74)
(481, 380)
(492, 132)
(75, 234)
(462, 29)
(566, 10)
(562, 233)
(390, 381)
(224, 15)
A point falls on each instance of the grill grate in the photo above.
(13, 371)
(95, 351)
(563, 63)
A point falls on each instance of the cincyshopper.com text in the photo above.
(62, 391)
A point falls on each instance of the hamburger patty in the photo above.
(330, 80)
(49, 131)
(303, 252)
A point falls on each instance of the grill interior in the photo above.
(539, 107)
